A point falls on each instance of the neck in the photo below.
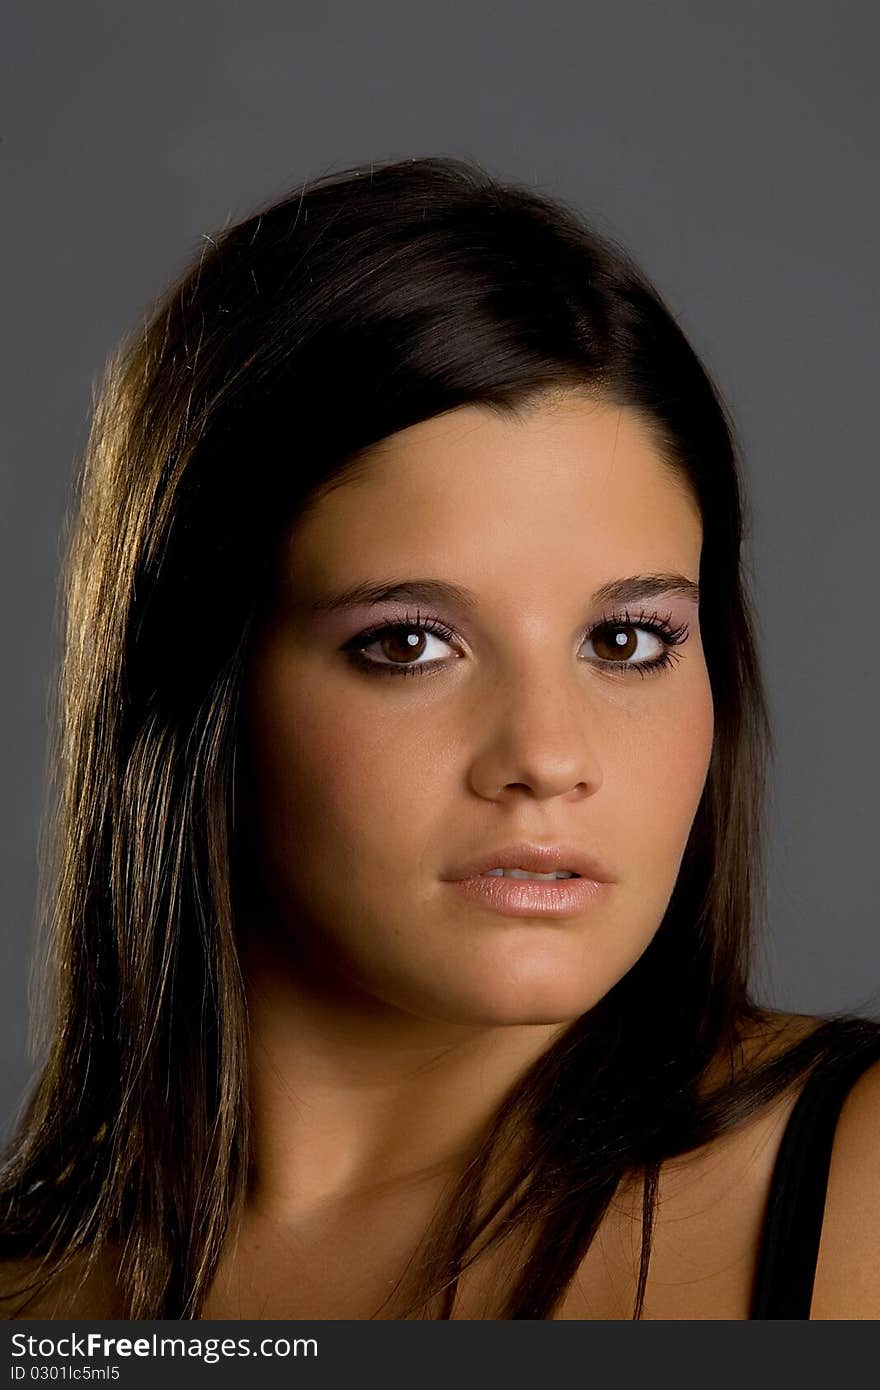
(352, 1097)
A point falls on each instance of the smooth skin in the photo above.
(397, 1011)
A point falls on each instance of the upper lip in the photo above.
(538, 859)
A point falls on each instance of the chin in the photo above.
(509, 1014)
(545, 986)
(509, 1004)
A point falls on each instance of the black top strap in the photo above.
(796, 1205)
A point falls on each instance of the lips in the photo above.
(535, 858)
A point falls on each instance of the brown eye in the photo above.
(402, 644)
(398, 648)
(615, 642)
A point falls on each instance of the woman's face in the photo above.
(373, 784)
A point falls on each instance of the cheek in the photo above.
(330, 773)
(661, 780)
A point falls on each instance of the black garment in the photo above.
(790, 1247)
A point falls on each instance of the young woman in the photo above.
(406, 569)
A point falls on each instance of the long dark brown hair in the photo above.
(354, 306)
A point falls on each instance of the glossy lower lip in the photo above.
(524, 897)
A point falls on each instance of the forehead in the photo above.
(570, 482)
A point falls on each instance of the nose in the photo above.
(540, 742)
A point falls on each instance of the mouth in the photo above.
(516, 894)
(525, 874)
(536, 862)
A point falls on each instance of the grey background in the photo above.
(732, 148)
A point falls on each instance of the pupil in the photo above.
(406, 643)
(621, 646)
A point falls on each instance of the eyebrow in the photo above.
(628, 590)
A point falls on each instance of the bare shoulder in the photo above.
(755, 1139)
(847, 1284)
(764, 1039)
(711, 1205)
(81, 1290)
(18, 1279)
(847, 1281)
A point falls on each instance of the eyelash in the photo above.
(658, 624)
